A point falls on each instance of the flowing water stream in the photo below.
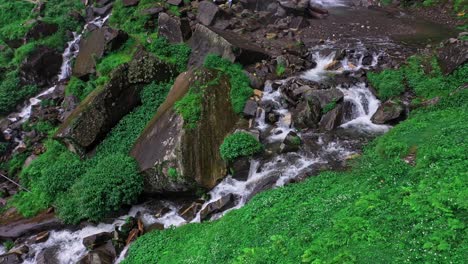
(272, 172)
(320, 150)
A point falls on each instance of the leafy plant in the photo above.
(240, 144)
(240, 84)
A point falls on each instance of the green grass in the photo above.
(328, 107)
(383, 210)
(240, 84)
(240, 144)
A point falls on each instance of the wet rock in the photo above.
(128, 3)
(174, 29)
(88, 124)
(13, 226)
(367, 59)
(291, 143)
(155, 226)
(102, 11)
(452, 55)
(307, 113)
(217, 206)
(96, 240)
(19, 250)
(105, 254)
(250, 109)
(264, 183)
(42, 237)
(192, 153)
(325, 97)
(388, 112)
(41, 30)
(48, 256)
(229, 45)
(190, 211)
(332, 119)
(207, 13)
(10, 258)
(240, 169)
(40, 67)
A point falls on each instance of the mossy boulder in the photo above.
(175, 157)
(90, 122)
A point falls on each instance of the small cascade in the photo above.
(71, 51)
(2, 250)
(364, 105)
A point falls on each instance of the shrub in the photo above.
(190, 108)
(240, 83)
(177, 54)
(240, 144)
(113, 182)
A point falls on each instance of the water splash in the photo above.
(365, 104)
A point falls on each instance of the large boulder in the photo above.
(48, 256)
(105, 254)
(90, 122)
(332, 119)
(41, 30)
(228, 45)
(10, 258)
(452, 55)
(174, 29)
(207, 13)
(388, 112)
(13, 225)
(40, 67)
(93, 47)
(223, 203)
(175, 158)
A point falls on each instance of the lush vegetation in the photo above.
(58, 177)
(190, 107)
(16, 20)
(404, 201)
(422, 74)
(239, 144)
(240, 84)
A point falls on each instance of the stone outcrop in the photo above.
(93, 47)
(228, 45)
(41, 30)
(40, 67)
(90, 122)
(388, 112)
(207, 13)
(453, 54)
(174, 29)
(174, 158)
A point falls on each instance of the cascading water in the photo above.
(270, 173)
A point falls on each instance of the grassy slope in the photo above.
(382, 211)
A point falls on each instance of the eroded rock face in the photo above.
(228, 45)
(174, 158)
(90, 122)
(40, 67)
(174, 29)
(452, 55)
